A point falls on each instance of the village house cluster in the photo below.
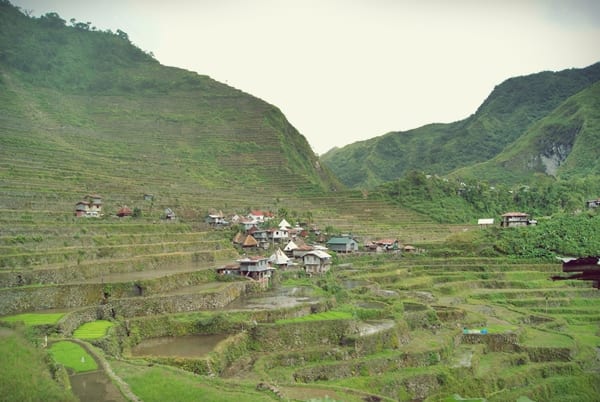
(290, 243)
(91, 207)
(292, 250)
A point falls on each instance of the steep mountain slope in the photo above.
(86, 110)
(564, 144)
(505, 115)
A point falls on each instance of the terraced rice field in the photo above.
(401, 332)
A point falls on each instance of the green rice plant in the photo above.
(92, 330)
(32, 319)
(73, 356)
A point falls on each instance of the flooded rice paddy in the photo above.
(190, 346)
(283, 297)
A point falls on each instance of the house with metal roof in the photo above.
(514, 219)
(343, 244)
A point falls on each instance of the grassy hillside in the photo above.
(107, 112)
(565, 144)
(512, 107)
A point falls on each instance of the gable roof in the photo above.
(515, 214)
(305, 247)
(216, 214)
(320, 254)
(238, 238)
(290, 246)
(251, 259)
(386, 242)
(279, 257)
(259, 213)
(124, 211)
(250, 241)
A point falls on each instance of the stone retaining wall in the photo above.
(369, 344)
(73, 320)
(142, 306)
(20, 300)
(87, 271)
(35, 298)
(494, 342)
(370, 367)
(509, 343)
(303, 334)
(215, 362)
(548, 354)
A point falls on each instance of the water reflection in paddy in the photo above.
(95, 387)
(273, 299)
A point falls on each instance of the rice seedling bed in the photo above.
(73, 356)
(92, 330)
(32, 319)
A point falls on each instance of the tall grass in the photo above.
(25, 372)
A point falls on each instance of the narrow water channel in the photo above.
(95, 386)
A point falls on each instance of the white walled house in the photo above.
(316, 262)
(256, 268)
(278, 235)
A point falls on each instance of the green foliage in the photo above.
(452, 200)
(45, 52)
(563, 235)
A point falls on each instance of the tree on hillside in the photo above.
(52, 20)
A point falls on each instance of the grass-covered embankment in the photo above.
(26, 371)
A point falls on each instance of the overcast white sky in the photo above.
(348, 70)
